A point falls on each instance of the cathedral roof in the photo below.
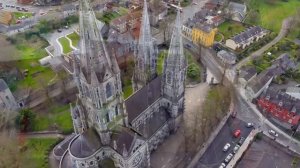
(3, 85)
(143, 98)
(85, 144)
(153, 123)
(66, 161)
(125, 137)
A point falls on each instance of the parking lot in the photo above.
(214, 155)
(266, 153)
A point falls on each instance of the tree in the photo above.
(193, 71)
(25, 120)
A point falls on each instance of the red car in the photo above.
(237, 133)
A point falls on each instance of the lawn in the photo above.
(36, 152)
(127, 89)
(160, 61)
(19, 15)
(272, 15)
(74, 37)
(58, 117)
(65, 45)
(230, 28)
(122, 11)
(107, 17)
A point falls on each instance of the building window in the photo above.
(107, 117)
(108, 90)
(116, 110)
(169, 77)
(91, 163)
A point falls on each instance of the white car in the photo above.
(223, 165)
(272, 132)
(236, 148)
(249, 125)
(226, 147)
(228, 158)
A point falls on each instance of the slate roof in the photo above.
(66, 161)
(3, 85)
(153, 123)
(236, 7)
(247, 73)
(85, 144)
(125, 137)
(257, 83)
(143, 98)
(244, 36)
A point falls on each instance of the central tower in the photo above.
(145, 56)
(97, 76)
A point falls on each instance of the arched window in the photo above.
(107, 117)
(116, 110)
(169, 77)
(108, 90)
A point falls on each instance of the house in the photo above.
(69, 9)
(281, 107)
(157, 13)
(246, 74)
(257, 85)
(246, 38)
(214, 21)
(126, 22)
(203, 34)
(237, 11)
(7, 100)
(227, 57)
(5, 17)
(294, 92)
(24, 1)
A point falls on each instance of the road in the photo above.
(258, 53)
(214, 156)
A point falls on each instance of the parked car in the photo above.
(236, 148)
(223, 165)
(273, 133)
(241, 141)
(226, 147)
(233, 114)
(237, 133)
(195, 3)
(228, 158)
(59, 30)
(249, 125)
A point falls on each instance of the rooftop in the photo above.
(3, 85)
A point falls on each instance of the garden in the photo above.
(64, 42)
(270, 13)
(74, 37)
(35, 152)
(107, 17)
(231, 28)
(193, 69)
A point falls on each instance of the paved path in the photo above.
(43, 134)
(172, 151)
(258, 53)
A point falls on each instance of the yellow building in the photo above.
(203, 34)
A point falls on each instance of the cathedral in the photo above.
(111, 131)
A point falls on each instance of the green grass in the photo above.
(58, 116)
(191, 61)
(122, 11)
(271, 16)
(160, 61)
(127, 90)
(36, 150)
(107, 17)
(18, 15)
(65, 45)
(74, 37)
(229, 29)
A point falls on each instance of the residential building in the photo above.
(246, 38)
(227, 57)
(107, 128)
(246, 74)
(126, 22)
(237, 11)
(260, 83)
(294, 92)
(69, 9)
(280, 106)
(5, 17)
(7, 100)
(157, 13)
(25, 1)
(214, 21)
(48, 2)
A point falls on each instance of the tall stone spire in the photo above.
(93, 55)
(174, 71)
(145, 57)
(97, 76)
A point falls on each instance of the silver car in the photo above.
(228, 158)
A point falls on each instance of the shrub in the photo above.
(193, 71)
